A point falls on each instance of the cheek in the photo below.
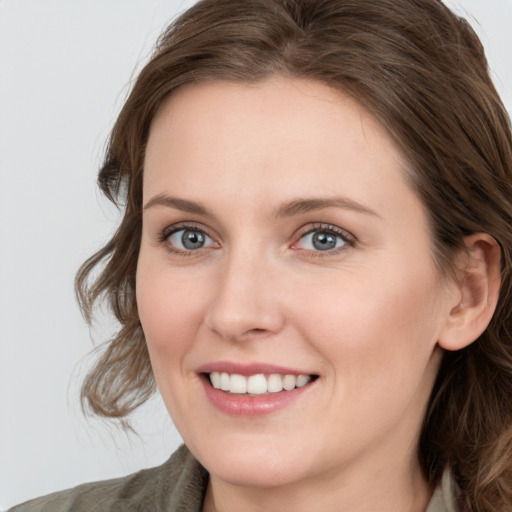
(381, 352)
(169, 309)
(170, 313)
(385, 324)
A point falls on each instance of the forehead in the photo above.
(273, 138)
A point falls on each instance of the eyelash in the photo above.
(169, 231)
(348, 239)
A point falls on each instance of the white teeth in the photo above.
(275, 383)
(237, 384)
(302, 380)
(289, 382)
(224, 381)
(215, 378)
(257, 384)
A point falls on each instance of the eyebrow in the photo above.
(179, 204)
(289, 209)
(301, 206)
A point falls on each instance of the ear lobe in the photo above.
(478, 283)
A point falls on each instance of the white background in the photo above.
(65, 67)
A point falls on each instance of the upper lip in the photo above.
(248, 369)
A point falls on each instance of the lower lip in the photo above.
(245, 405)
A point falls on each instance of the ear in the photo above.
(478, 286)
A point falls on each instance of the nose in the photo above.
(246, 302)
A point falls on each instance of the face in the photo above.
(285, 283)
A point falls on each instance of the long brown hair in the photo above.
(421, 71)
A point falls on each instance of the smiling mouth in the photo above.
(258, 384)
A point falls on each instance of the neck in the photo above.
(394, 488)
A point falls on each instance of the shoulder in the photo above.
(443, 499)
(177, 485)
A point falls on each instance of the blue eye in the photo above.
(189, 239)
(323, 239)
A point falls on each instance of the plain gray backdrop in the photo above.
(65, 67)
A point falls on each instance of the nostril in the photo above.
(243, 308)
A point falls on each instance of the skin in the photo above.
(365, 317)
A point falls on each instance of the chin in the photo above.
(260, 465)
(249, 474)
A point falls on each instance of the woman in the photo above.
(313, 264)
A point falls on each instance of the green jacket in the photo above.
(178, 485)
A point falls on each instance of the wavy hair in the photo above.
(421, 71)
